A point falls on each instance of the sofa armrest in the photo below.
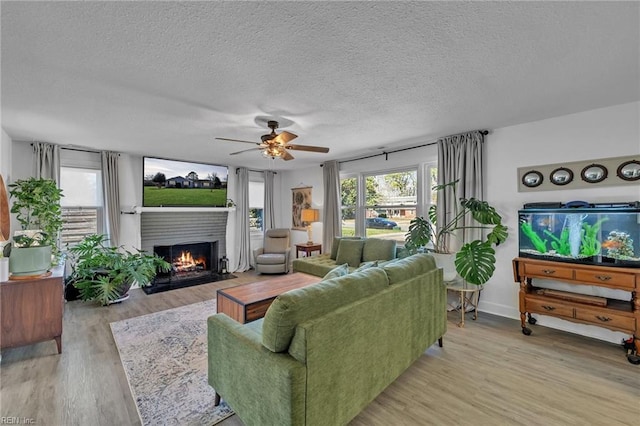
(261, 386)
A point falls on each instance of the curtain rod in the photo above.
(76, 149)
(386, 153)
(256, 171)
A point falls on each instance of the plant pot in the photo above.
(446, 261)
(123, 292)
(4, 269)
(30, 260)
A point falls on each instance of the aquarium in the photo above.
(598, 234)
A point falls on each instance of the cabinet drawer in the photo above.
(548, 271)
(551, 307)
(606, 319)
(609, 279)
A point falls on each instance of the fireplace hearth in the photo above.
(191, 264)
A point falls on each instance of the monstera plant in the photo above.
(475, 261)
(104, 273)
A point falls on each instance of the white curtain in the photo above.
(111, 194)
(243, 242)
(269, 211)
(46, 161)
(331, 212)
(460, 158)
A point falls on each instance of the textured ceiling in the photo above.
(166, 78)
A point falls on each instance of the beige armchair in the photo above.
(273, 257)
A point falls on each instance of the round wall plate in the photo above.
(561, 176)
(594, 173)
(532, 178)
(629, 170)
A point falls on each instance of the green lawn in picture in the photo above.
(158, 197)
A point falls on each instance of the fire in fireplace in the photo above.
(191, 264)
(185, 262)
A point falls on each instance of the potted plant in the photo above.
(36, 203)
(106, 274)
(475, 261)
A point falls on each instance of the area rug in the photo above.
(164, 356)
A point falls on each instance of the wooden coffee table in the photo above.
(249, 302)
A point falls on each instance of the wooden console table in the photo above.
(31, 310)
(618, 315)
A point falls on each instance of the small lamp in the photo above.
(309, 216)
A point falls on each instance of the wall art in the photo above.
(300, 199)
(614, 171)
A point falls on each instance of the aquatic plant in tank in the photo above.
(600, 234)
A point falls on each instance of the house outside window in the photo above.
(256, 206)
(390, 204)
(82, 205)
(382, 204)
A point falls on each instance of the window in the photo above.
(390, 204)
(382, 204)
(82, 206)
(349, 196)
(256, 206)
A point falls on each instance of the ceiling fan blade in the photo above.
(237, 140)
(246, 150)
(308, 148)
(284, 137)
(287, 156)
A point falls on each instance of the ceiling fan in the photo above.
(277, 145)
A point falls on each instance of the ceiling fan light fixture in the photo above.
(276, 145)
(273, 151)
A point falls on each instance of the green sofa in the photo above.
(324, 352)
(351, 250)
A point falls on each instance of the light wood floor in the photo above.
(487, 374)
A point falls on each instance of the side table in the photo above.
(469, 296)
(308, 248)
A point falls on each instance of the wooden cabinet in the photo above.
(31, 310)
(614, 314)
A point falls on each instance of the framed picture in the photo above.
(300, 199)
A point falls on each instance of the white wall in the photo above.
(601, 133)
(5, 157)
(311, 176)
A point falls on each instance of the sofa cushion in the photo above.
(336, 272)
(378, 249)
(409, 267)
(296, 306)
(365, 265)
(350, 251)
(270, 259)
(319, 265)
(336, 244)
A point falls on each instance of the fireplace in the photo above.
(191, 264)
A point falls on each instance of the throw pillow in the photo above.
(366, 265)
(336, 244)
(350, 251)
(378, 249)
(336, 272)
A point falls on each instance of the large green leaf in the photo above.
(481, 211)
(419, 233)
(498, 235)
(475, 262)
